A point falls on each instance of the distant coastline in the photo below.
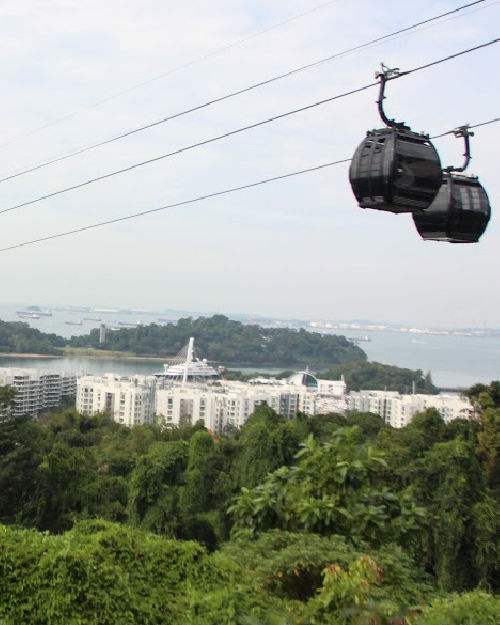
(397, 329)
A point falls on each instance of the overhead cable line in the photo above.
(469, 126)
(202, 197)
(198, 59)
(176, 204)
(332, 57)
(243, 128)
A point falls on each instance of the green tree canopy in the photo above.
(227, 341)
(376, 376)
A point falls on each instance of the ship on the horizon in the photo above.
(42, 312)
(26, 314)
(105, 310)
(128, 324)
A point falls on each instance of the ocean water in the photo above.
(82, 366)
(454, 361)
(69, 321)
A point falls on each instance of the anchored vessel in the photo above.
(192, 369)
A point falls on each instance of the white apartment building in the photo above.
(129, 399)
(398, 410)
(230, 403)
(134, 400)
(37, 390)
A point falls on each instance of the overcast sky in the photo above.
(71, 73)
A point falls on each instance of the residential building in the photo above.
(134, 400)
(37, 390)
(229, 404)
(129, 399)
(191, 390)
(398, 410)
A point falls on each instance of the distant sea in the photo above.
(454, 361)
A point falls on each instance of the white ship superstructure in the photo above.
(191, 370)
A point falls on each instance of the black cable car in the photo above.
(395, 169)
(461, 211)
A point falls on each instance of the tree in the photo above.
(331, 491)
(97, 573)
(467, 609)
(360, 375)
(154, 487)
(267, 441)
(370, 423)
(195, 495)
(62, 477)
(17, 336)
(22, 446)
(447, 479)
(485, 396)
(7, 401)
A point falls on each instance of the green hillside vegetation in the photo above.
(361, 375)
(374, 375)
(17, 336)
(223, 340)
(323, 520)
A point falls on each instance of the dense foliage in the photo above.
(19, 337)
(374, 375)
(223, 340)
(314, 520)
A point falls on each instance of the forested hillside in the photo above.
(220, 339)
(17, 336)
(374, 375)
(320, 520)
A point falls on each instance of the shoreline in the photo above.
(104, 356)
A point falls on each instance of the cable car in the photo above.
(394, 168)
(461, 211)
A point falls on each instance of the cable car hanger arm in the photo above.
(383, 76)
(465, 132)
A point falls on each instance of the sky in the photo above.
(75, 73)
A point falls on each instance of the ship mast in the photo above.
(189, 360)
